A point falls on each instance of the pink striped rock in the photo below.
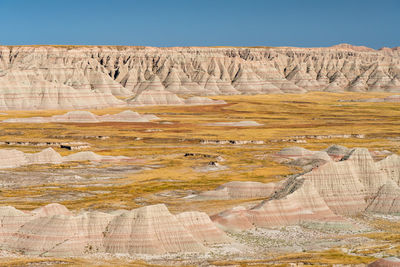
(387, 199)
(304, 204)
(386, 262)
(75, 116)
(149, 230)
(127, 116)
(154, 93)
(347, 185)
(46, 156)
(52, 230)
(241, 190)
(248, 82)
(50, 210)
(11, 220)
(202, 228)
(61, 235)
(391, 166)
(352, 185)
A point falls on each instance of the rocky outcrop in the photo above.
(46, 77)
(11, 158)
(80, 116)
(386, 262)
(91, 156)
(54, 231)
(241, 190)
(235, 124)
(328, 192)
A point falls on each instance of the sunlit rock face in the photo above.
(53, 230)
(329, 192)
(46, 77)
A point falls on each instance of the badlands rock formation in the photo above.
(235, 124)
(334, 189)
(305, 158)
(46, 77)
(388, 99)
(88, 117)
(386, 262)
(54, 231)
(241, 190)
(11, 158)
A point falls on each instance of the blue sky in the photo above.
(304, 23)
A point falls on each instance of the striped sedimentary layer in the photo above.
(46, 77)
(12, 158)
(87, 117)
(354, 184)
(54, 231)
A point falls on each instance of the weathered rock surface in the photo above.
(80, 116)
(302, 157)
(386, 262)
(11, 158)
(235, 124)
(328, 192)
(241, 190)
(46, 77)
(91, 156)
(54, 231)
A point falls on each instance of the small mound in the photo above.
(91, 156)
(240, 190)
(294, 152)
(88, 117)
(235, 124)
(11, 158)
(83, 156)
(392, 98)
(198, 100)
(124, 116)
(76, 116)
(51, 210)
(46, 156)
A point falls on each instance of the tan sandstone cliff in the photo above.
(76, 77)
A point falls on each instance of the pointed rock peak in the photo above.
(359, 154)
(337, 151)
(154, 83)
(51, 209)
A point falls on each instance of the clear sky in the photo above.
(304, 23)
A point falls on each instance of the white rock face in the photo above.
(46, 77)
